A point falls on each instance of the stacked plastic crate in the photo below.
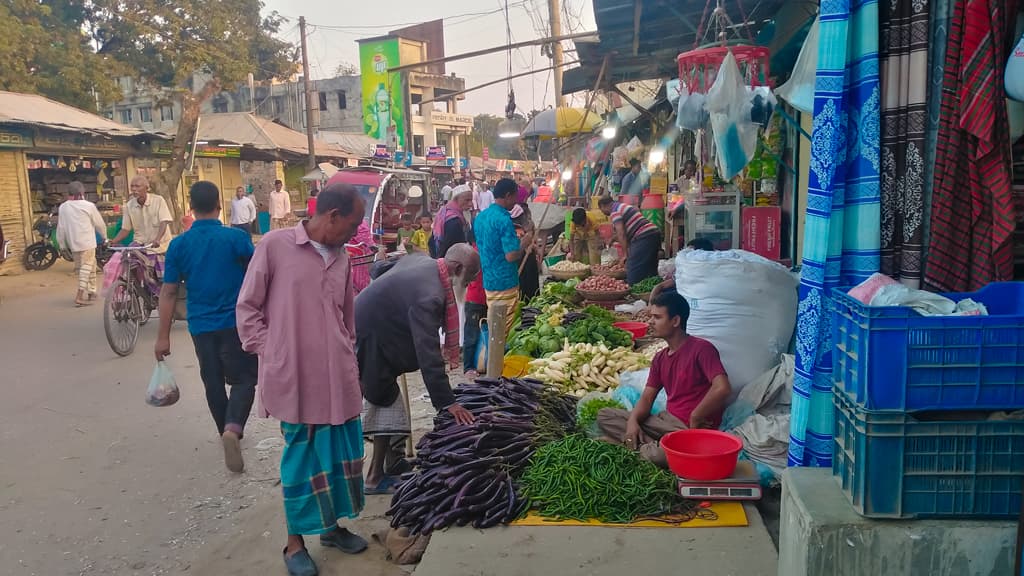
(924, 423)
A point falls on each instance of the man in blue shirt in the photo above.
(501, 249)
(632, 184)
(211, 260)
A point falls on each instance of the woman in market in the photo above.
(691, 373)
(640, 240)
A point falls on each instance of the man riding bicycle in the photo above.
(148, 216)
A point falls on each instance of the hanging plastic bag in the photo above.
(110, 270)
(480, 355)
(799, 89)
(634, 146)
(690, 112)
(163, 390)
(735, 135)
(1013, 77)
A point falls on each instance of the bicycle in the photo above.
(130, 299)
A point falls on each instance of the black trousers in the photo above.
(642, 260)
(247, 228)
(222, 361)
(471, 334)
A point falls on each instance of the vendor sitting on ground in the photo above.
(398, 318)
(670, 284)
(692, 375)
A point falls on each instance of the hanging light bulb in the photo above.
(609, 132)
(567, 175)
(657, 156)
(510, 127)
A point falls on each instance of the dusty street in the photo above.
(95, 482)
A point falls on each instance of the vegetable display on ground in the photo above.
(581, 368)
(603, 284)
(465, 473)
(570, 266)
(578, 479)
(645, 286)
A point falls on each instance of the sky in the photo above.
(469, 25)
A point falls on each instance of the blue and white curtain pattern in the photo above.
(841, 233)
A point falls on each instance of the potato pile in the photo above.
(568, 266)
(603, 284)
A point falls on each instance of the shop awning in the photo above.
(260, 135)
(35, 110)
(359, 144)
(646, 48)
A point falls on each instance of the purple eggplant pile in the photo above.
(465, 474)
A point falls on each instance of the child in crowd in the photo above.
(420, 239)
(405, 232)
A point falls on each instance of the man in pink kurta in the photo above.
(295, 310)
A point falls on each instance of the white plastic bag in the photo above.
(690, 112)
(631, 385)
(163, 390)
(743, 304)
(728, 104)
(1013, 77)
(799, 89)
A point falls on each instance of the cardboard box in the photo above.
(762, 231)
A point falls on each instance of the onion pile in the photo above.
(603, 284)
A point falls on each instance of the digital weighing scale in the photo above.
(744, 484)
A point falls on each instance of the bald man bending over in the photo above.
(397, 322)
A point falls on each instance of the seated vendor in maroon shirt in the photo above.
(692, 375)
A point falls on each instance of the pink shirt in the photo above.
(296, 311)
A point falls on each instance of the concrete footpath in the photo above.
(598, 551)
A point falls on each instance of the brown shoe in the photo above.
(232, 452)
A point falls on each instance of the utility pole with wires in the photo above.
(554, 13)
(308, 89)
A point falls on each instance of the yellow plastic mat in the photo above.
(730, 515)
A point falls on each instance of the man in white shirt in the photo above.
(243, 211)
(482, 196)
(148, 216)
(446, 193)
(78, 225)
(280, 206)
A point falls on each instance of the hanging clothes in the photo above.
(972, 213)
(938, 32)
(903, 57)
(841, 239)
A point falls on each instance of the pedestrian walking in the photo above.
(396, 333)
(501, 249)
(450, 225)
(308, 375)
(243, 211)
(211, 260)
(280, 206)
(78, 225)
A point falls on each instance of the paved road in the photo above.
(94, 481)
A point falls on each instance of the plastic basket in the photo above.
(892, 358)
(892, 465)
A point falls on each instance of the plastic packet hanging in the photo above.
(690, 112)
(729, 106)
(163, 390)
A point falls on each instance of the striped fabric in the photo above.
(636, 225)
(841, 242)
(321, 475)
(972, 218)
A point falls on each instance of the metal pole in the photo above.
(308, 88)
(493, 82)
(556, 49)
(503, 48)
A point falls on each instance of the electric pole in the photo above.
(556, 49)
(308, 88)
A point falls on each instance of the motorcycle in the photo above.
(43, 253)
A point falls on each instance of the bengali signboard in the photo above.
(383, 96)
(435, 154)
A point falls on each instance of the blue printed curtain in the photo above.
(841, 233)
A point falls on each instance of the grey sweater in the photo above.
(398, 318)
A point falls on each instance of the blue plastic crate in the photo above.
(892, 358)
(892, 465)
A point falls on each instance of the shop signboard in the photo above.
(762, 226)
(383, 94)
(218, 152)
(381, 152)
(15, 139)
(435, 154)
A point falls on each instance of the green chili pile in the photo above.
(579, 479)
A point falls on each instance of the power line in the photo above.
(463, 19)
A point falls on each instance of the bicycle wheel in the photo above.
(120, 319)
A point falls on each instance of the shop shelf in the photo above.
(892, 358)
(894, 465)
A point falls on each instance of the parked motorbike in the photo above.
(43, 253)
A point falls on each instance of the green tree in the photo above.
(194, 49)
(44, 50)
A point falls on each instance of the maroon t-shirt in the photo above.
(686, 376)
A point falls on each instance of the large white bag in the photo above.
(743, 304)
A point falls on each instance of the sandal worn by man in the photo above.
(300, 563)
(344, 540)
(387, 485)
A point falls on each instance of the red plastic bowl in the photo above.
(701, 454)
(637, 329)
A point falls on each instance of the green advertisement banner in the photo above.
(383, 97)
